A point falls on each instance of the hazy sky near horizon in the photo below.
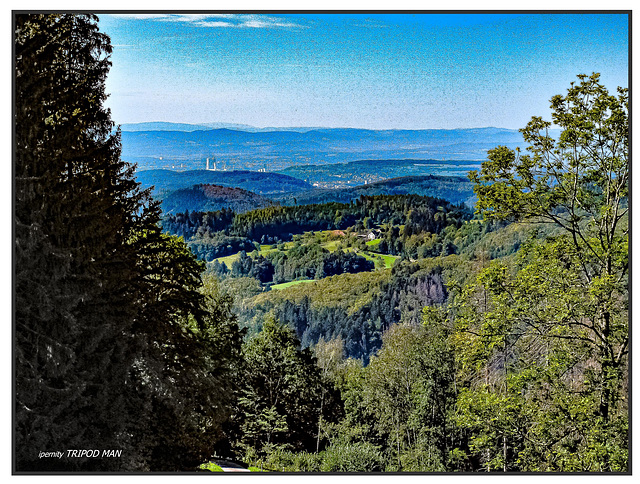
(376, 71)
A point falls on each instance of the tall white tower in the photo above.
(211, 161)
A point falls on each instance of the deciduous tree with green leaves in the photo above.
(560, 316)
(408, 390)
(278, 405)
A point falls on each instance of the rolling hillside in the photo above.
(204, 197)
(166, 181)
(210, 198)
(454, 189)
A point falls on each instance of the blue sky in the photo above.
(387, 71)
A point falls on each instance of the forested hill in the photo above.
(416, 213)
(453, 189)
(426, 213)
(165, 181)
(243, 191)
(211, 198)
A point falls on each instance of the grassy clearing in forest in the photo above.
(327, 240)
(228, 260)
(388, 260)
(373, 243)
(289, 284)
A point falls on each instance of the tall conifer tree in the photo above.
(75, 204)
(107, 308)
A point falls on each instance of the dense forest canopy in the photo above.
(386, 333)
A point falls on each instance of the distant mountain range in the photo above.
(164, 126)
(186, 147)
(303, 165)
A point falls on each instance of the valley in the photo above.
(370, 260)
(278, 241)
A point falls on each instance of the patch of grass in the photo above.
(255, 469)
(265, 249)
(331, 245)
(289, 284)
(382, 261)
(374, 242)
(210, 466)
(228, 260)
(389, 260)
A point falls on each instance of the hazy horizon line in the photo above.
(225, 125)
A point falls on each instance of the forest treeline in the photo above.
(452, 188)
(279, 223)
(496, 342)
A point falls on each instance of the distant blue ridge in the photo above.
(259, 149)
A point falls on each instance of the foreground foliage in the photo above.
(549, 335)
(107, 306)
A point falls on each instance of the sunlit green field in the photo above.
(289, 284)
(326, 240)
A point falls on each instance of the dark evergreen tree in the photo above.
(217, 268)
(74, 207)
(188, 345)
(116, 347)
(262, 269)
